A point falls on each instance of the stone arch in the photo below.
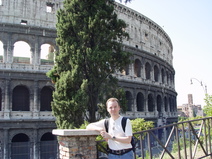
(148, 70)
(21, 52)
(20, 98)
(0, 100)
(48, 136)
(140, 102)
(1, 51)
(46, 98)
(21, 137)
(173, 104)
(20, 146)
(129, 98)
(47, 54)
(166, 104)
(159, 103)
(170, 104)
(24, 38)
(126, 70)
(167, 77)
(48, 41)
(156, 73)
(163, 75)
(48, 145)
(21, 37)
(137, 68)
(172, 78)
(150, 103)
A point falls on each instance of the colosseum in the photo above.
(26, 120)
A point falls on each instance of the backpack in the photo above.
(123, 124)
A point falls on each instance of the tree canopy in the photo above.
(208, 107)
(89, 37)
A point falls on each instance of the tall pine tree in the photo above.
(89, 37)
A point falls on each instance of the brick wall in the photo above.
(77, 144)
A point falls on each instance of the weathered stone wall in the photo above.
(145, 34)
(31, 21)
(32, 12)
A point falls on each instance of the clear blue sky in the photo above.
(189, 25)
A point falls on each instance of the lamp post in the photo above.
(203, 86)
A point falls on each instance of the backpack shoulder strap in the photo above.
(124, 123)
(106, 123)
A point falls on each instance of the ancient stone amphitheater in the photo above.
(26, 120)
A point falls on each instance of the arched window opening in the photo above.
(156, 73)
(48, 146)
(129, 101)
(150, 103)
(166, 104)
(0, 100)
(46, 99)
(20, 138)
(159, 103)
(140, 102)
(163, 76)
(170, 104)
(167, 77)
(20, 99)
(20, 147)
(21, 53)
(171, 79)
(148, 71)
(175, 104)
(137, 68)
(126, 71)
(48, 137)
(47, 54)
(1, 52)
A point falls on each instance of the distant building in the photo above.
(190, 110)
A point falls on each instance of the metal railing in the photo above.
(184, 140)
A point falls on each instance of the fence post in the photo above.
(76, 143)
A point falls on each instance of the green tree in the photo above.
(89, 37)
(208, 107)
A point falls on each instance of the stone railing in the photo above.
(77, 143)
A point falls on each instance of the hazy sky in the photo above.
(189, 25)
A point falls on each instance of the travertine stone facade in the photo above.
(148, 81)
(145, 34)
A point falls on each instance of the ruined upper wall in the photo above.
(39, 13)
(144, 33)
